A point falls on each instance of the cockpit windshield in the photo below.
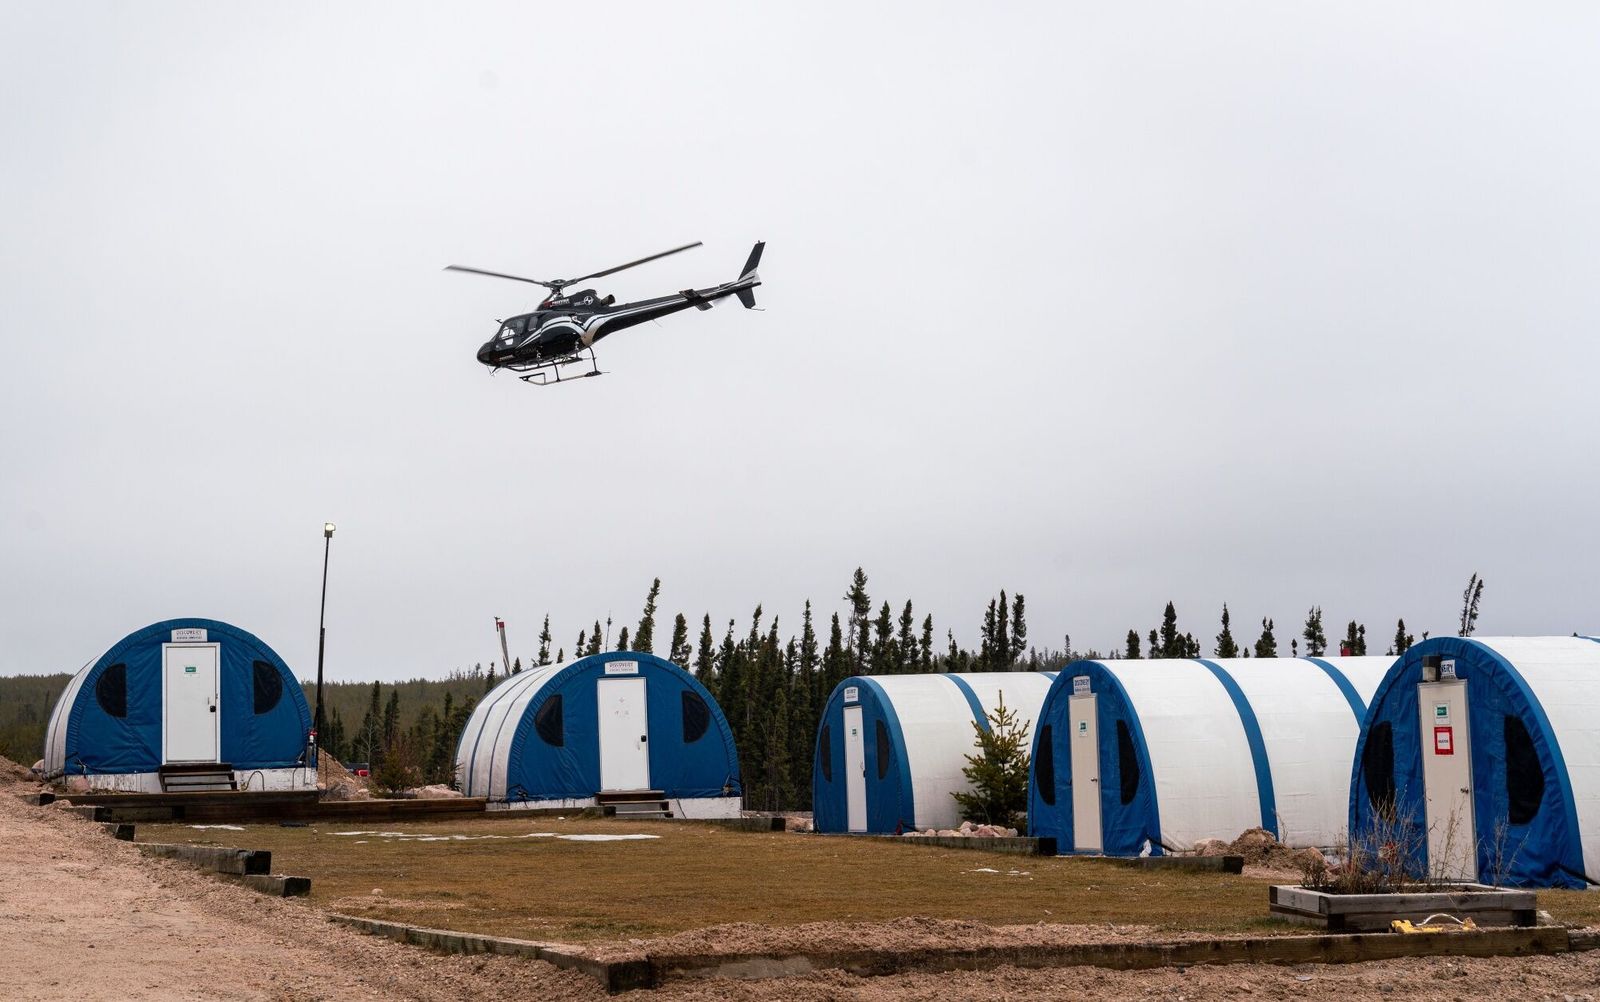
(511, 329)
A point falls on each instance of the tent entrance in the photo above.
(190, 713)
(624, 734)
(855, 770)
(1084, 725)
(1447, 779)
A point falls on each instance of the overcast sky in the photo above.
(1274, 304)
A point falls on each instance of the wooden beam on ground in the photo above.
(220, 859)
(1020, 846)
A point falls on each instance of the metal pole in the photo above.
(322, 633)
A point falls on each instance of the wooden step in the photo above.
(184, 777)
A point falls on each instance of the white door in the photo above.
(1085, 737)
(855, 770)
(190, 714)
(1447, 780)
(624, 735)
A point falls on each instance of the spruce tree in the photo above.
(1316, 639)
(1172, 645)
(999, 772)
(1132, 649)
(705, 659)
(622, 640)
(1402, 639)
(561, 656)
(836, 659)
(1355, 639)
(860, 620)
(906, 641)
(582, 645)
(1226, 647)
(1266, 644)
(885, 654)
(1154, 642)
(1469, 606)
(644, 638)
(595, 640)
(516, 666)
(544, 642)
(925, 648)
(810, 667)
(488, 681)
(681, 650)
(988, 637)
(1019, 627)
(1003, 653)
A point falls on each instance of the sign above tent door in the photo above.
(624, 734)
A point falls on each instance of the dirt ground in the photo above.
(85, 917)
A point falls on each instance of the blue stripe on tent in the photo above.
(1569, 807)
(1350, 695)
(972, 701)
(1258, 746)
(1051, 675)
(1595, 639)
(898, 738)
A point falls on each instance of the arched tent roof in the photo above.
(1205, 748)
(918, 730)
(535, 736)
(1534, 755)
(108, 720)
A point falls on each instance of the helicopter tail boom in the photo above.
(747, 295)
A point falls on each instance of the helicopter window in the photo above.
(511, 328)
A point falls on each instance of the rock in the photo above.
(38, 766)
(436, 791)
(77, 784)
(346, 789)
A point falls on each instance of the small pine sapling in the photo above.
(999, 772)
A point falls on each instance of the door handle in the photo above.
(213, 709)
(643, 738)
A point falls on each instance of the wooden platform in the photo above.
(268, 806)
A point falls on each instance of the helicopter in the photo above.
(565, 327)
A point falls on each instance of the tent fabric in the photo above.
(502, 755)
(1219, 746)
(1551, 685)
(83, 739)
(929, 724)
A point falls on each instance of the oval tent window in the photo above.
(111, 691)
(268, 687)
(1044, 770)
(696, 717)
(549, 723)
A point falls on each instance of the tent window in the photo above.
(1524, 778)
(549, 722)
(827, 753)
(268, 686)
(1044, 770)
(111, 690)
(1377, 768)
(883, 750)
(696, 717)
(1127, 763)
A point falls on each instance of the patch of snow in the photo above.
(604, 838)
(231, 828)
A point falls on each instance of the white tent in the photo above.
(1139, 755)
(891, 748)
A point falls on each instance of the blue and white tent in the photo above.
(1485, 754)
(183, 691)
(556, 735)
(890, 748)
(1141, 756)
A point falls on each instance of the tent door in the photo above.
(624, 734)
(190, 711)
(1084, 724)
(1447, 780)
(855, 770)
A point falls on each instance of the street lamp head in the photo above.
(327, 530)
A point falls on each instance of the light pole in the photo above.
(322, 631)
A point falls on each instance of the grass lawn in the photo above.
(547, 888)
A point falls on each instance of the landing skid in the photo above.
(549, 373)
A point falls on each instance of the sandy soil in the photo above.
(86, 917)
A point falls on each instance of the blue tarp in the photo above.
(1546, 851)
(1125, 827)
(705, 767)
(99, 743)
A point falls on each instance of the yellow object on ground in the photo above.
(1427, 925)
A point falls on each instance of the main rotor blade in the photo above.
(496, 274)
(631, 264)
